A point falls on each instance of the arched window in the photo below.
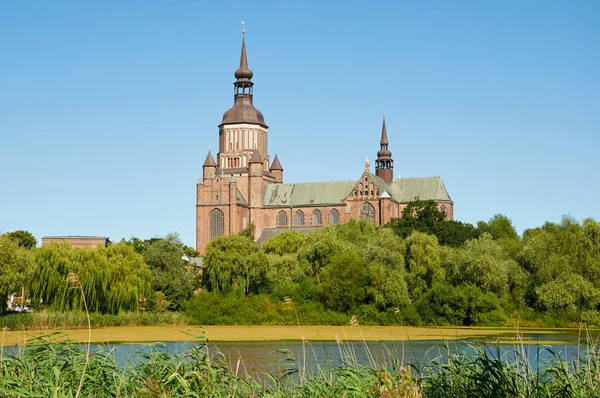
(334, 217)
(282, 219)
(217, 223)
(316, 217)
(299, 218)
(367, 212)
(244, 222)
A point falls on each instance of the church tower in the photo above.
(243, 129)
(384, 165)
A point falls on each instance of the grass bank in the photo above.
(139, 334)
(46, 320)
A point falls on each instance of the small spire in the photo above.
(367, 165)
(210, 161)
(276, 165)
(384, 139)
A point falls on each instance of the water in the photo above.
(257, 358)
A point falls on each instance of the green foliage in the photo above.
(287, 242)
(164, 256)
(423, 259)
(321, 247)
(482, 263)
(234, 263)
(420, 215)
(464, 305)
(16, 267)
(453, 233)
(566, 261)
(23, 238)
(345, 281)
(249, 231)
(113, 279)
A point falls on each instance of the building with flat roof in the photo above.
(78, 241)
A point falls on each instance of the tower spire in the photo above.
(384, 165)
(243, 74)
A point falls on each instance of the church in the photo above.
(244, 186)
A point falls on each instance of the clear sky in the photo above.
(108, 108)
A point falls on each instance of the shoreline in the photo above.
(147, 334)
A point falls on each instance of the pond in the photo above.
(259, 357)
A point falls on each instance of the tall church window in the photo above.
(217, 223)
(282, 219)
(334, 217)
(444, 210)
(316, 217)
(299, 218)
(367, 212)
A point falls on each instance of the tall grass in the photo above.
(46, 369)
(44, 320)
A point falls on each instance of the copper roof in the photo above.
(243, 110)
(243, 73)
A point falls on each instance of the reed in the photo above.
(45, 367)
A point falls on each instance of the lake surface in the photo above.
(259, 357)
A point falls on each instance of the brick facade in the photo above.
(246, 188)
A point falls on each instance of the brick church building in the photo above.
(245, 186)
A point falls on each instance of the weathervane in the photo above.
(383, 108)
(243, 30)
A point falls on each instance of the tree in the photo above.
(483, 263)
(164, 256)
(113, 278)
(453, 233)
(423, 263)
(383, 255)
(287, 242)
(420, 215)
(23, 239)
(234, 263)
(345, 280)
(503, 232)
(565, 262)
(16, 267)
(321, 248)
(463, 305)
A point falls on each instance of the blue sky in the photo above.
(107, 109)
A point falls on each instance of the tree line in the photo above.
(419, 269)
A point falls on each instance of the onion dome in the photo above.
(243, 110)
(243, 73)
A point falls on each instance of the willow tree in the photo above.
(112, 279)
(234, 263)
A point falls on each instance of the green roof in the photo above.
(402, 190)
(406, 190)
(307, 193)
